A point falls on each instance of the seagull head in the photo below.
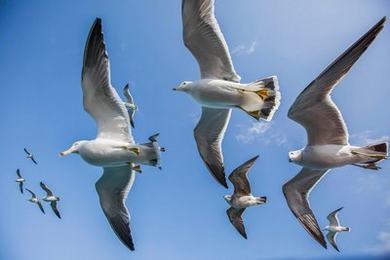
(295, 156)
(184, 86)
(73, 149)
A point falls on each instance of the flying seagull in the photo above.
(327, 135)
(30, 156)
(34, 199)
(334, 228)
(51, 198)
(130, 105)
(242, 197)
(219, 89)
(114, 148)
(20, 180)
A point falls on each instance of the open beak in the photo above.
(67, 152)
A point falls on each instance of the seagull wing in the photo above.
(239, 178)
(113, 188)
(100, 99)
(333, 219)
(314, 108)
(297, 191)
(236, 220)
(203, 37)
(32, 193)
(331, 236)
(33, 160)
(26, 151)
(21, 187)
(209, 134)
(40, 207)
(18, 173)
(126, 92)
(45, 188)
(54, 207)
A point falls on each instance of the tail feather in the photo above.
(377, 152)
(348, 229)
(268, 90)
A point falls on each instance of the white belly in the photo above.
(243, 201)
(326, 156)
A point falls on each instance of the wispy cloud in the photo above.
(382, 246)
(244, 48)
(263, 132)
(367, 137)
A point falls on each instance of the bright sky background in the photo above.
(179, 213)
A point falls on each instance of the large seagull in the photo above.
(114, 148)
(327, 135)
(219, 90)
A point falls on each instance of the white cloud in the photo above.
(382, 246)
(244, 49)
(260, 131)
(367, 137)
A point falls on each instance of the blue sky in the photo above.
(179, 213)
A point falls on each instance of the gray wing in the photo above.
(54, 207)
(32, 193)
(333, 219)
(113, 188)
(100, 99)
(331, 236)
(18, 173)
(209, 134)
(297, 191)
(45, 188)
(236, 220)
(314, 108)
(203, 37)
(239, 177)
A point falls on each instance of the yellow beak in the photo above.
(67, 152)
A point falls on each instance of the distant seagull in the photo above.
(328, 145)
(30, 156)
(51, 198)
(334, 228)
(20, 180)
(34, 199)
(130, 105)
(219, 89)
(114, 148)
(242, 197)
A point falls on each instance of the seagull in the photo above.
(334, 228)
(130, 105)
(51, 198)
(242, 197)
(219, 90)
(328, 145)
(30, 156)
(20, 180)
(34, 199)
(114, 148)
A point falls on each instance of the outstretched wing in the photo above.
(40, 207)
(21, 187)
(33, 160)
(331, 236)
(209, 134)
(203, 37)
(18, 173)
(297, 191)
(113, 188)
(54, 207)
(45, 188)
(333, 219)
(236, 220)
(26, 151)
(100, 99)
(32, 193)
(314, 108)
(239, 177)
